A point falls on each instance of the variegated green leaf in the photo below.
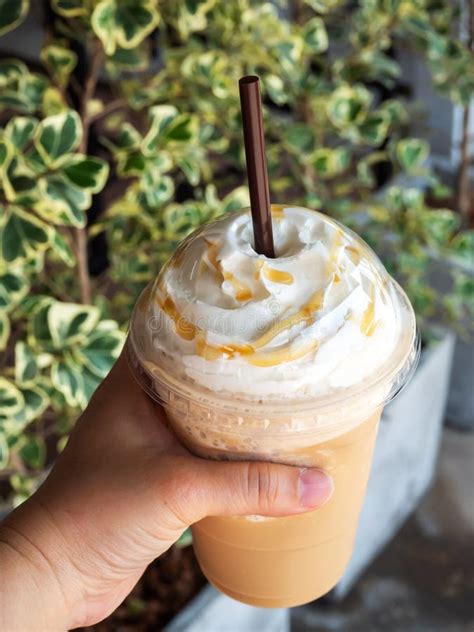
(101, 351)
(157, 188)
(21, 235)
(129, 138)
(14, 100)
(62, 202)
(182, 129)
(33, 451)
(236, 199)
(181, 219)
(135, 59)
(60, 60)
(70, 8)
(192, 16)
(19, 188)
(56, 326)
(13, 287)
(40, 335)
(69, 323)
(375, 128)
(26, 368)
(58, 135)
(323, 6)
(36, 401)
(124, 23)
(329, 162)
(20, 130)
(61, 246)
(191, 167)
(348, 105)
(463, 247)
(412, 152)
(12, 13)
(86, 172)
(11, 399)
(31, 88)
(6, 154)
(4, 330)
(10, 71)
(68, 380)
(4, 450)
(53, 102)
(131, 164)
(315, 35)
(161, 118)
(275, 88)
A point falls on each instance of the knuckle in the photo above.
(262, 487)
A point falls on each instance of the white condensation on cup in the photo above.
(323, 316)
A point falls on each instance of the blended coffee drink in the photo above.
(287, 360)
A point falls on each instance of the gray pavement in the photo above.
(424, 580)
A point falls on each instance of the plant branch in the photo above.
(463, 201)
(89, 90)
(117, 104)
(81, 233)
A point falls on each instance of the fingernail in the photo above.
(316, 487)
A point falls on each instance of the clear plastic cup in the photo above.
(277, 562)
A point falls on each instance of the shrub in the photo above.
(131, 129)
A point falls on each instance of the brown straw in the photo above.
(250, 104)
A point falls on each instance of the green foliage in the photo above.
(12, 13)
(171, 158)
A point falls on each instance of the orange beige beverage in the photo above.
(288, 360)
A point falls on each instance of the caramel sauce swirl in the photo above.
(368, 323)
(183, 327)
(278, 276)
(278, 211)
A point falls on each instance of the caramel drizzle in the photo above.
(183, 327)
(278, 276)
(278, 211)
(212, 352)
(258, 268)
(208, 351)
(285, 354)
(331, 264)
(242, 292)
(354, 254)
(368, 323)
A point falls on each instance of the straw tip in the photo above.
(245, 81)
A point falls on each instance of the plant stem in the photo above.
(81, 233)
(463, 200)
(108, 109)
(463, 192)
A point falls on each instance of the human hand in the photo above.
(121, 493)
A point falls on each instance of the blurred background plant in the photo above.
(128, 137)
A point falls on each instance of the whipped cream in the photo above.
(323, 315)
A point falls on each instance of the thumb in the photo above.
(246, 488)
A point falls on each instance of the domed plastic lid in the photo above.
(321, 323)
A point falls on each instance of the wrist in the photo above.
(38, 580)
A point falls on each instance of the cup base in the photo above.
(274, 576)
(303, 598)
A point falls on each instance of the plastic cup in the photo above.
(278, 562)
